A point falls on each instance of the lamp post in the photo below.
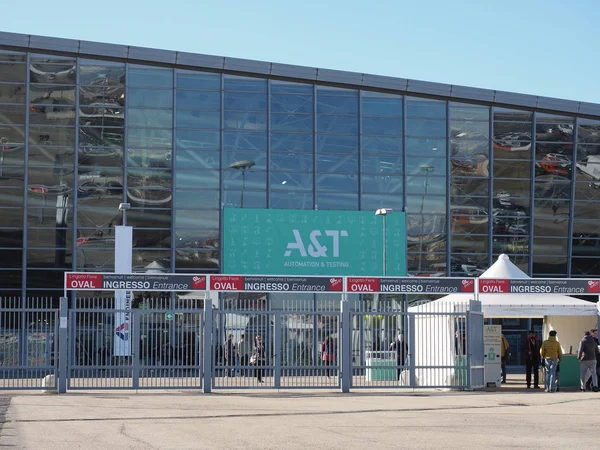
(384, 212)
(242, 165)
(427, 168)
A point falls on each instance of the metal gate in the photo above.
(157, 348)
(295, 347)
(28, 344)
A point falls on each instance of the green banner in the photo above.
(299, 242)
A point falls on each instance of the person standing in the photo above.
(328, 353)
(401, 348)
(531, 350)
(504, 357)
(587, 353)
(259, 357)
(588, 386)
(244, 350)
(551, 351)
(230, 355)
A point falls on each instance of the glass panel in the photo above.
(554, 164)
(94, 260)
(337, 124)
(278, 87)
(197, 238)
(291, 200)
(381, 164)
(12, 114)
(550, 186)
(292, 161)
(245, 121)
(381, 145)
(92, 138)
(291, 181)
(11, 93)
(52, 115)
(511, 131)
(146, 76)
(233, 157)
(244, 141)
(422, 107)
(585, 266)
(426, 185)
(466, 129)
(337, 144)
(434, 166)
(52, 95)
(292, 103)
(198, 100)
(469, 265)
(11, 217)
(551, 227)
(512, 169)
(196, 159)
(153, 98)
(105, 96)
(469, 186)
(379, 200)
(240, 101)
(197, 199)
(431, 204)
(196, 219)
(48, 259)
(256, 180)
(463, 111)
(554, 132)
(331, 162)
(50, 156)
(198, 119)
(189, 79)
(101, 73)
(51, 136)
(587, 191)
(13, 73)
(149, 158)
(552, 265)
(337, 182)
(150, 138)
(251, 199)
(197, 139)
(12, 197)
(514, 115)
(377, 104)
(327, 104)
(50, 237)
(588, 131)
(421, 127)
(291, 142)
(478, 166)
(382, 126)
(469, 243)
(193, 258)
(146, 218)
(435, 148)
(347, 202)
(49, 70)
(292, 122)
(236, 83)
(584, 230)
(160, 118)
(543, 149)
(384, 184)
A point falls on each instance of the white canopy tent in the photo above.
(569, 316)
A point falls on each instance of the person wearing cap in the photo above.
(586, 354)
(531, 350)
(551, 351)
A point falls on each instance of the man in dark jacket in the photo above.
(587, 354)
(401, 348)
(230, 352)
(588, 386)
(531, 350)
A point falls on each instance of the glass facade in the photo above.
(79, 136)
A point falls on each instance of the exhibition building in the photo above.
(184, 137)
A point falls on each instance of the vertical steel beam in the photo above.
(346, 347)
(412, 346)
(207, 342)
(277, 350)
(572, 202)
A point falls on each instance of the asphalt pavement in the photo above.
(509, 417)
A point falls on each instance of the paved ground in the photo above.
(510, 417)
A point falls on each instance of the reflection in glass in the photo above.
(375, 201)
(426, 108)
(291, 142)
(348, 202)
(331, 162)
(292, 161)
(149, 76)
(385, 184)
(504, 168)
(152, 98)
(291, 181)
(252, 199)
(197, 199)
(291, 200)
(376, 144)
(338, 182)
(197, 179)
(197, 159)
(382, 164)
(191, 79)
(476, 166)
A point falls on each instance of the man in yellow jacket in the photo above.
(551, 353)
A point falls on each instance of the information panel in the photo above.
(301, 242)
(85, 281)
(539, 286)
(410, 285)
(241, 283)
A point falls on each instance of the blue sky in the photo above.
(541, 47)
